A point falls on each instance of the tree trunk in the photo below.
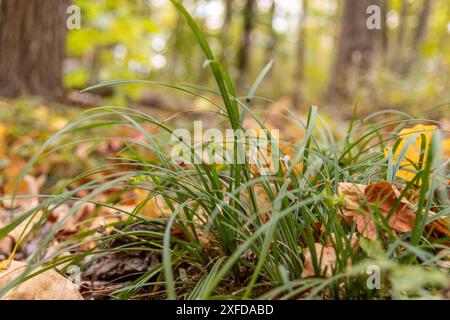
(32, 47)
(299, 76)
(423, 25)
(226, 39)
(384, 27)
(244, 52)
(418, 37)
(398, 58)
(271, 45)
(402, 25)
(356, 48)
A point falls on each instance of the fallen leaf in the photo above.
(361, 199)
(2, 141)
(49, 285)
(445, 261)
(6, 246)
(263, 201)
(414, 152)
(384, 195)
(446, 148)
(441, 225)
(28, 187)
(154, 207)
(326, 258)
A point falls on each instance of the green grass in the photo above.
(220, 203)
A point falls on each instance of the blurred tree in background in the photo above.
(323, 53)
(356, 47)
(32, 41)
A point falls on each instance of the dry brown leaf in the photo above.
(49, 285)
(441, 225)
(72, 223)
(6, 246)
(263, 202)
(384, 195)
(353, 193)
(445, 261)
(28, 187)
(326, 257)
(332, 239)
(360, 198)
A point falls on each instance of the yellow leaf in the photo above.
(4, 265)
(154, 207)
(2, 141)
(411, 161)
(446, 148)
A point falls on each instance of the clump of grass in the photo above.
(240, 245)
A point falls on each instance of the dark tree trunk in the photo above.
(402, 25)
(271, 45)
(176, 49)
(418, 37)
(384, 27)
(244, 52)
(299, 75)
(32, 47)
(356, 48)
(226, 39)
(397, 60)
(423, 25)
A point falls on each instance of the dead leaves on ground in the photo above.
(152, 206)
(445, 261)
(48, 285)
(326, 258)
(363, 201)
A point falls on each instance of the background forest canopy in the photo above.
(322, 51)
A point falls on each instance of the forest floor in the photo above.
(85, 189)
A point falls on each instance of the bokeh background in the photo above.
(322, 51)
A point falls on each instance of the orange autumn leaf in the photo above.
(2, 141)
(361, 199)
(385, 196)
(441, 225)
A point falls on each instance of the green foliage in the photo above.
(148, 40)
